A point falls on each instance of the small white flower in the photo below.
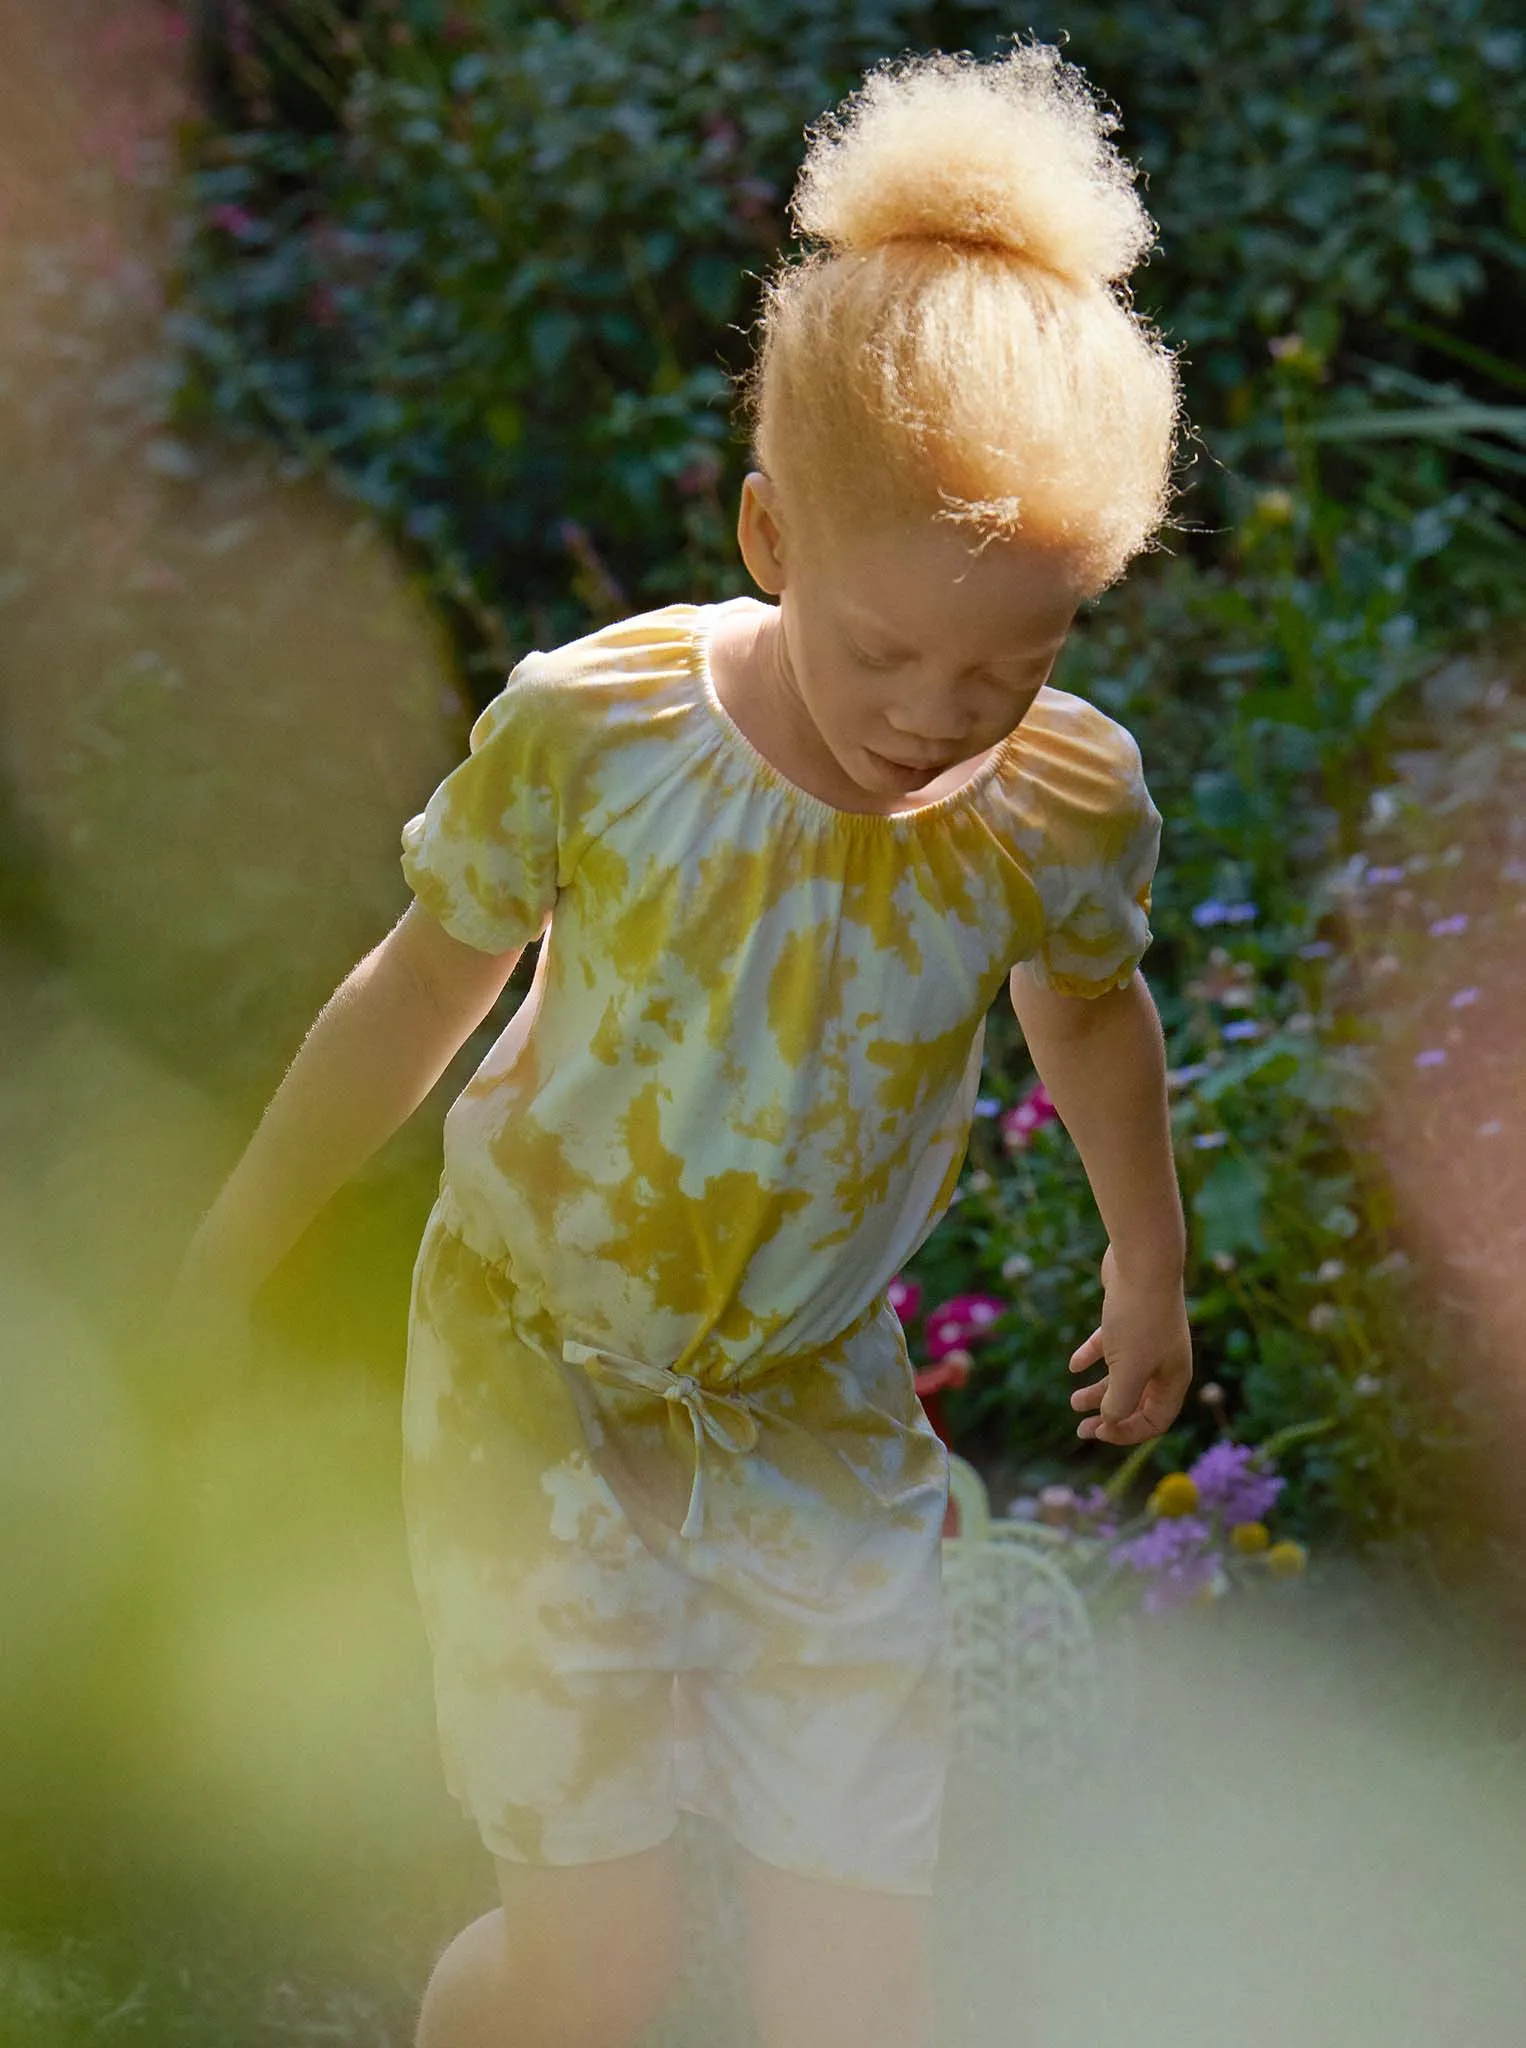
(1367, 1383)
(1324, 1316)
(1332, 1269)
(1016, 1266)
(979, 1181)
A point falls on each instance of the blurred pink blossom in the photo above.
(1024, 1118)
(954, 1323)
(905, 1298)
(233, 220)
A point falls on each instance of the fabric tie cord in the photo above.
(728, 1420)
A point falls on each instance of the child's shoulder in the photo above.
(1067, 740)
(640, 644)
(582, 694)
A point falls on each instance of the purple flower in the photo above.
(1181, 1582)
(1228, 1483)
(1444, 927)
(1171, 1539)
(1433, 1056)
(1183, 1077)
(1247, 1027)
(1375, 877)
(1175, 1556)
(1463, 998)
(1213, 912)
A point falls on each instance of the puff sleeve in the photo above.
(1092, 838)
(482, 857)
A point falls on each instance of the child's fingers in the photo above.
(1089, 1353)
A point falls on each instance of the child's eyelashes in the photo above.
(874, 662)
(867, 660)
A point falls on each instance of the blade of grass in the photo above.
(1467, 352)
(1431, 423)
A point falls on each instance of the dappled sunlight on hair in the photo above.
(962, 347)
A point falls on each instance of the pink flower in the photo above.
(1027, 1116)
(957, 1322)
(905, 1298)
(234, 220)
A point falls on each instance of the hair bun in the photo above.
(1012, 154)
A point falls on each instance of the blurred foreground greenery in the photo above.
(314, 421)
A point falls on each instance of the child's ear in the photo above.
(760, 533)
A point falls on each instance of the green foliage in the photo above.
(502, 295)
(501, 299)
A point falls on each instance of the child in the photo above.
(674, 1511)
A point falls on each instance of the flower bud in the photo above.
(1175, 1494)
(1056, 1505)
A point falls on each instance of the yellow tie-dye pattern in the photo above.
(732, 1106)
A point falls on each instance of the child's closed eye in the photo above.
(868, 660)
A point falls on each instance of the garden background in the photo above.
(347, 353)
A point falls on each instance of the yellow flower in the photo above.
(1249, 1536)
(1176, 1494)
(1275, 507)
(1286, 1559)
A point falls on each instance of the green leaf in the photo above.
(1437, 422)
(552, 334)
(505, 423)
(713, 285)
(1230, 1205)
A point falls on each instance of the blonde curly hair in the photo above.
(963, 346)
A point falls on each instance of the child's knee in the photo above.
(592, 1950)
(836, 1964)
(562, 1973)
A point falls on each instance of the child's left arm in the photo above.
(1102, 1061)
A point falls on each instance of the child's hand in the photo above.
(1146, 1345)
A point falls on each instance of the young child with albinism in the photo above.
(673, 1509)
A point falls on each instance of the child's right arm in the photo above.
(377, 1048)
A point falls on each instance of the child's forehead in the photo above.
(910, 585)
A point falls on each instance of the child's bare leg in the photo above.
(830, 1966)
(576, 1956)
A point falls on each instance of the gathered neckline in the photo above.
(732, 733)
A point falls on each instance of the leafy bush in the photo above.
(500, 298)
